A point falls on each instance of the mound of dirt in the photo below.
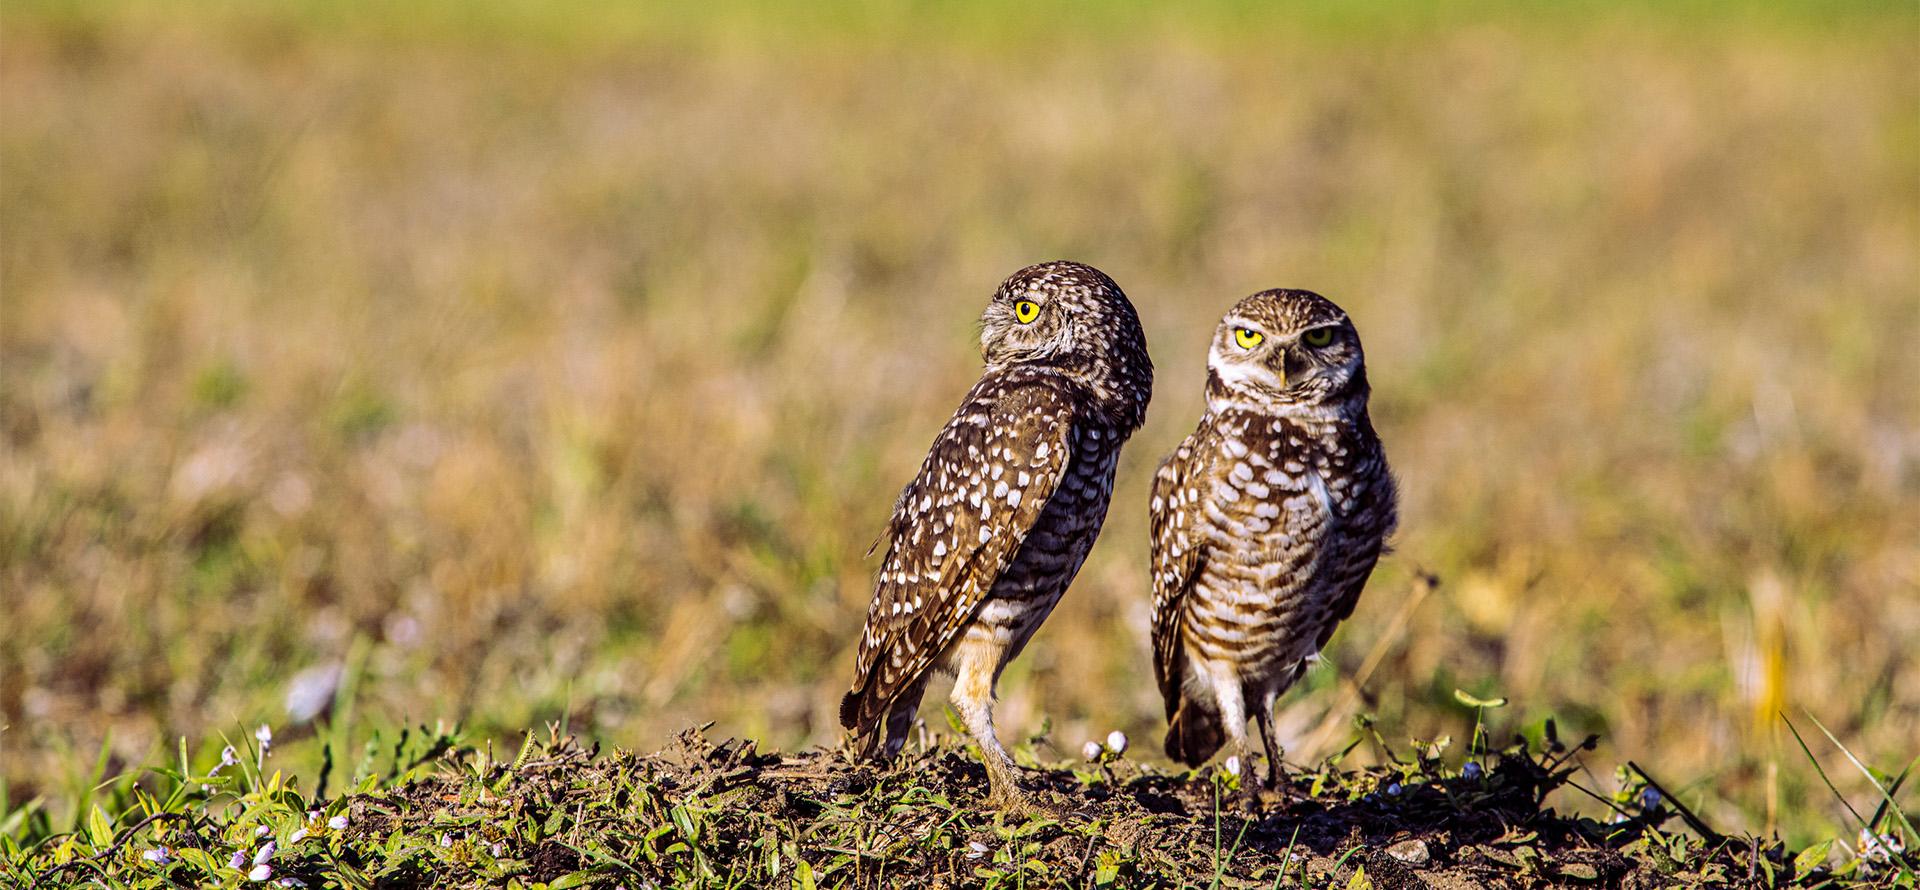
(725, 814)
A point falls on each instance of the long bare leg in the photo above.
(1269, 737)
(1228, 695)
(978, 664)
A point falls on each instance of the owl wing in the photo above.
(1173, 533)
(955, 528)
(1366, 534)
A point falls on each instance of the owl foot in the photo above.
(1018, 804)
(1004, 792)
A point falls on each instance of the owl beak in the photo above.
(1282, 358)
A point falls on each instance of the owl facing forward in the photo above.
(994, 526)
(1265, 522)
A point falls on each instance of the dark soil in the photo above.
(725, 814)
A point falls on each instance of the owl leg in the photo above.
(1231, 699)
(973, 698)
(1276, 773)
(900, 718)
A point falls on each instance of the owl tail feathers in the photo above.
(879, 717)
(1194, 733)
(864, 739)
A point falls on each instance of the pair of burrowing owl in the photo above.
(1266, 521)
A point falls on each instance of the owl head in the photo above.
(1286, 348)
(1073, 317)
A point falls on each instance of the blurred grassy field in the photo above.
(554, 363)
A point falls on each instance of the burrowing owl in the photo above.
(1266, 521)
(1010, 498)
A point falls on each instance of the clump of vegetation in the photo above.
(703, 814)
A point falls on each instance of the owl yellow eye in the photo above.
(1246, 338)
(1026, 311)
(1318, 337)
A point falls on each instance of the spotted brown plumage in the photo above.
(1265, 522)
(1002, 512)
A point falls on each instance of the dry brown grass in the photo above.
(577, 376)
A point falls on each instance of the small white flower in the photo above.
(338, 823)
(266, 853)
(228, 757)
(1233, 765)
(1879, 847)
(446, 840)
(239, 859)
(1649, 798)
(261, 831)
(260, 873)
(290, 882)
(499, 850)
(1470, 771)
(158, 855)
(265, 736)
(297, 836)
(1117, 742)
(976, 850)
(1091, 750)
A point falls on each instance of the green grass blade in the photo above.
(1821, 771)
(1885, 795)
(1893, 788)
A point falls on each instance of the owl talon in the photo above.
(1011, 801)
(1018, 803)
(1274, 779)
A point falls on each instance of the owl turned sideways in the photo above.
(1001, 514)
(1265, 522)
